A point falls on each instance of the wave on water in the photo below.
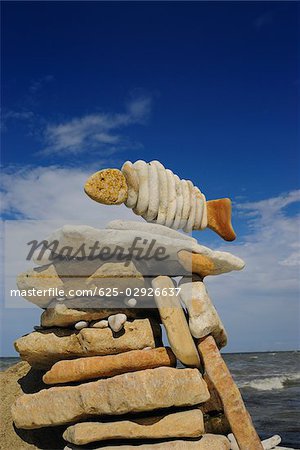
(271, 383)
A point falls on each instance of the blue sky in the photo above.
(208, 88)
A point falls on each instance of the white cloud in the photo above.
(260, 305)
(94, 131)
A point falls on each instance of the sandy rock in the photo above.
(163, 387)
(203, 317)
(192, 214)
(234, 408)
(100, 324)
(207, 442)
(186, 203)
(107, 186)
(44, 348)
(42, 278)
(108, 366)
(181, 424)
(117, 275)
(175, 323)
(14, 381)
(60, 315)
(214, 405)
(117, 321)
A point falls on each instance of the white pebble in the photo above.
(80, 325)
(131, 302)
(116, 321)
(100, 324)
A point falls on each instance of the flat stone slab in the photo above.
(180, 424)
(207, 442)
(41, 349)
(108, 366)
(60, 315)
(234, 407)
(147, 390)
(174, 321)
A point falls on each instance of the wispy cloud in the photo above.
(39, 83)
(263, 19)
(94, 131)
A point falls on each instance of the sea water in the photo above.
(270, 386)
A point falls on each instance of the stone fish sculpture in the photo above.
(159, 196)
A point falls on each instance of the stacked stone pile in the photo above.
(109, 378)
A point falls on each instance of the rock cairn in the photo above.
(109, 380)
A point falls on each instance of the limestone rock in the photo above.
(133, 392)
(107, 186)
(41, 278)
(207, 442)
(181, 424)
(114, 239)
(60, 315)
(41, 349)
(203, 317)
(175, 323)
(108, 366)
(234, 408)
(117, 275)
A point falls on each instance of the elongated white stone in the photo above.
(204, 214)
(171, 198)
(199, 209)
(132, 183)
(203, 317)
(192, 215)
(179, 203)
(153, 187)
(143, 196)
(186, 203)
(163, 193)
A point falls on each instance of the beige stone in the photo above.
(107, 186)
(207, 442)
(175, 323)
(41, 278)
(132, 181)
(234, 408)
(203, 317)
(216, 424)
(181, 424)
(60, 315)
(134, 392)
(41, 349)
(117, 275)
(108, 366)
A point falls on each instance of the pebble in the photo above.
(81, 324)
(116, 321)
(131, 302)
(100, 324)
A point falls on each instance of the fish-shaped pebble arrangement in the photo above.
(159, 196)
